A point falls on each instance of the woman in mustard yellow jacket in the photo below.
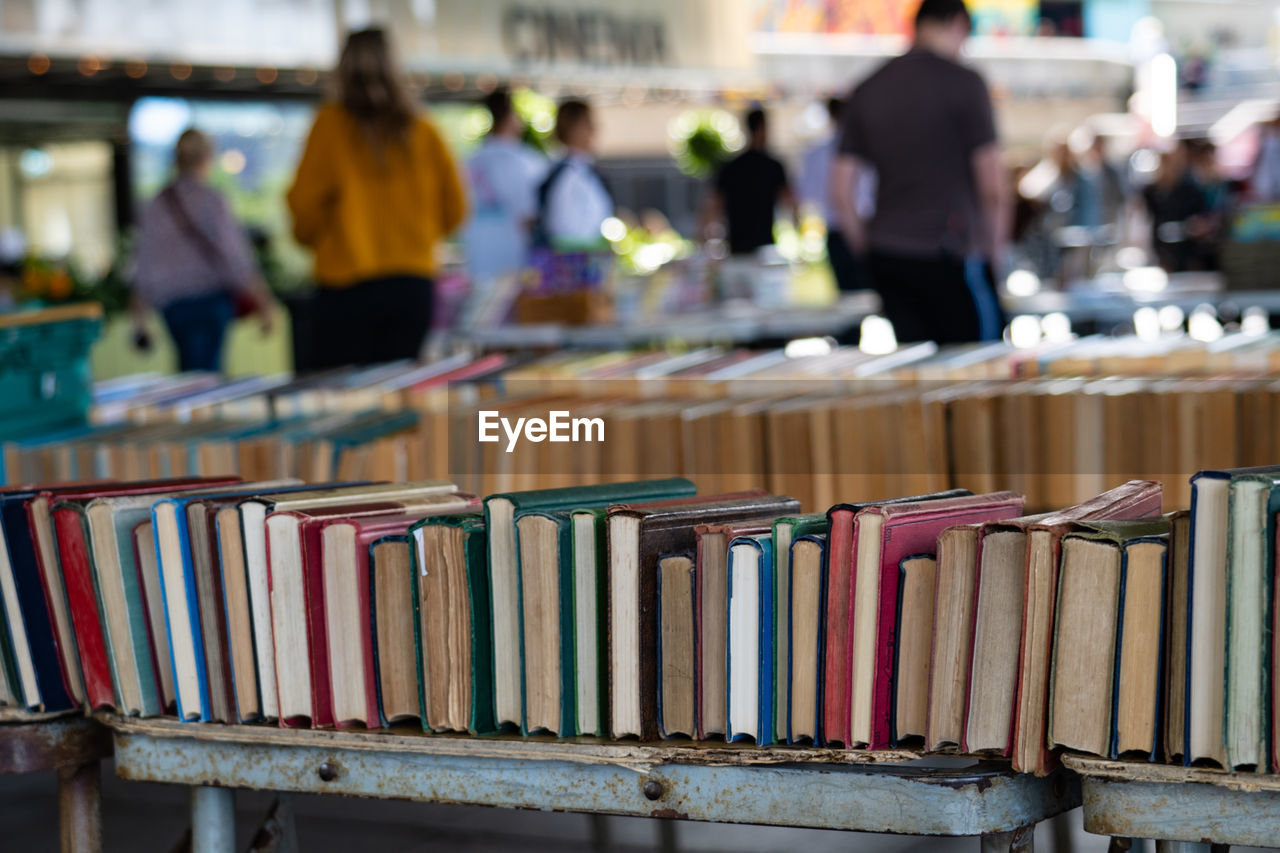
(376, 191)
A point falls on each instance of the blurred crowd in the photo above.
(909, 180)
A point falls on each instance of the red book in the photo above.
(904, 530)
(295, 579)
(57, 526)
(841, 576)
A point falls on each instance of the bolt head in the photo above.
(653, 789)
(327, 772)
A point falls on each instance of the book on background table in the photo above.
(638, 535)
(504, 555)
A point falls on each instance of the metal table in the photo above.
(1181, 807)
(816, 788)
(71, 744)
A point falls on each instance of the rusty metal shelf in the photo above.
(71, 745)
(1184, 804)
(859, 791)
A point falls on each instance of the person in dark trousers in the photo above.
(748, 190)
(924, 123)
(193, 262)
(376, 191)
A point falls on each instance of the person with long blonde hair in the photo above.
(376, 192)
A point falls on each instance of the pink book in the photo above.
(903, 530)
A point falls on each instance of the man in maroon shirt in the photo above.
(924, 123)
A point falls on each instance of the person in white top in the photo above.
(504, 174)
(574, 201)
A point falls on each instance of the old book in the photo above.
(711, 612)
(676, 646)
(750, 642)
(884, 535)
(452, 623)
(1253, 501)
(193, 599)
(1177, 608)
(344, 550)
(1091, 613)
(637, 537)
(590, 585)
(545, 582)
(144, 556)
(392, 615)
(957, 567)
(500, 512)
(803, 684)
(299, 624)
(840, 576)
(916, 591)
(72, 599)
(253, 513)
(783, 533)
(1207, 623)
(1133, 500)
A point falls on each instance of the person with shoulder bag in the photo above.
(194, 264)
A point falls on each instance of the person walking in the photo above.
(504, 175)
(376, 191)
(924, 123)
(749, 189)
(193, 262)
(815, 191)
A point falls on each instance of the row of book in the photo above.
(946, 621)
(1057, 442)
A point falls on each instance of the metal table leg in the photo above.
(213, 820)
(79, 808)
(1018, 841)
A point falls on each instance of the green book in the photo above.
(500, 512)
(545, 579)
(590, 590)
(1105, 680)
(1252, 503)
(785, 531)
(452, 632)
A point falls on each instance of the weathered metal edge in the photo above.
(576, 750)
(831, 796)
(1141, 771)
(52, 743)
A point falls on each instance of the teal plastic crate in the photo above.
(45, 382)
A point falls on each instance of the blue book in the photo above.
(189, 577)
(30, 632)
(751, 640)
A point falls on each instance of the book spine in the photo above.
(77, 577)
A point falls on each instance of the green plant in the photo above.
(702, 140)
